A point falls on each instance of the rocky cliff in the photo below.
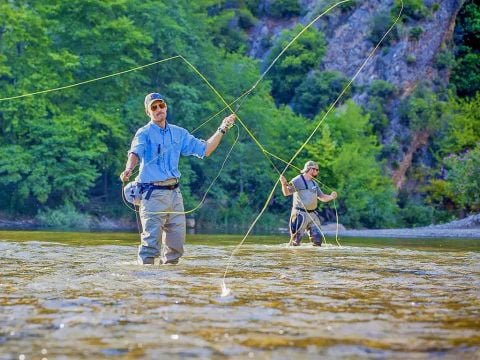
(403, 62)
(406, 61)
(406, 58)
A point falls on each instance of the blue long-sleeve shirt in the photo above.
(159, 151)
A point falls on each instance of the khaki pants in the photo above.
(171, 227)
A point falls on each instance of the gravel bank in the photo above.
(468, 228)
(411, 233)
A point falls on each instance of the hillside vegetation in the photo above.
(401, 146)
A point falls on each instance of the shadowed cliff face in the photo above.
(405, 61)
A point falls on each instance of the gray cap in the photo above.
(150, 98)
(308, 165)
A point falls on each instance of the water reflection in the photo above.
(93, 301)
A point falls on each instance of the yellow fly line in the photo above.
(268, 155)
(243, 96)
(89, 81)
(225, 289)
(227, 105)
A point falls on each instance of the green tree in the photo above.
(462, 125)
(456, 151)
(422, 111)
(381, 22)
(318, 91)
(366, 196)
(465, 73)
(301, 57)
(380, 94)
(284, 8)
(412, 9)
(464, 179)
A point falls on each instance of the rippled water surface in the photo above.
(82, 296)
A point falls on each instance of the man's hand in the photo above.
(228, 122)
(285, 189)
(333, 194)
(125, 175)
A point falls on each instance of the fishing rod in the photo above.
(225, 290)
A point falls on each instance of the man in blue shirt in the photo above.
(158, 146)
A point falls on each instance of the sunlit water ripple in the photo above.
(63, 301)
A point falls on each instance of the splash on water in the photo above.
(344, 299)
(225, 290)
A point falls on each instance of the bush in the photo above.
(410, 59)
(379, 26)
(225, 34)
(464, 176)
(348, 6)
(378, 117)
(412, 9)
(284, 8)
(440, 193)
(444, 60)
(421, 110)
(415, 33)
(64, 217)
(467, 25)
(245, 19)
(256, 7)
(381, 88)
(415, 215)
(300, 58)
(318, 91)
(367, 197)
(466, 75)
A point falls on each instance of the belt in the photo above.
(305, 210)
(168, 182)
(164, 187)
(149, 187)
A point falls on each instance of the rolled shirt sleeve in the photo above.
(193, 146)
(138, 144)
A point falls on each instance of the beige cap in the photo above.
(308, 165)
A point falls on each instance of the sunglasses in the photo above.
(161, 105)
(315, 169)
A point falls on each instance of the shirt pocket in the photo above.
(174, 150)
(148, 150)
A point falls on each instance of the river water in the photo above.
(82, 296)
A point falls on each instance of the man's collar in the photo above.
(166, 128)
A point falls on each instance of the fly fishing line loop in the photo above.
(225, 290)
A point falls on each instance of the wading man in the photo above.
(304, 216)
(158, 146)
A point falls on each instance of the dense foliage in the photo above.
(61, 151)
